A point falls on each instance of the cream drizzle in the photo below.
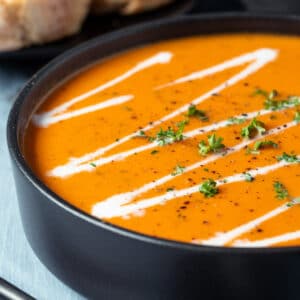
(130, 196)
(44, 121)
(294, 235)
(261, 57)
(71, 169)
(47, 118)
(222, 239)
(116, 207)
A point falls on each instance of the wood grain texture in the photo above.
(18, 264)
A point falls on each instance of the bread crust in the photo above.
(26, 22)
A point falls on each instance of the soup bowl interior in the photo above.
(104, 261)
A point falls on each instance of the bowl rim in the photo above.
(17, 157)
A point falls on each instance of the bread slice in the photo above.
(26, 22)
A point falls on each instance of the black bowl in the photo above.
(104, 261)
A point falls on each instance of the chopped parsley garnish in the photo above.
(290, 158)
(297, 117)
(261, 145)
(209, 188)
(154, 152)
(234, 120)
(293, 202)
(280, 190)
(169, 136)
(253, 128)
(170, 189)
(248, 177)
(178, 170)
(194, 112)
(264, 144)
(213, 144)
(272, 104)
(141, 133)
(264, 93)
(93, 165)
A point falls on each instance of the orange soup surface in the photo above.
(194, 140)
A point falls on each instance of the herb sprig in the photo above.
(290, 158)
(194, 112)
(209, 188)
(235, 120)
(213, 144)
(280, 190)
(253, 128)
(261, 145)
(282, 193)
(297, 117)
(178, 170)
(169, 136)
(248, 177)
(271, 103)
(293, 202)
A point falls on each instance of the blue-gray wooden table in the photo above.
(18, 264)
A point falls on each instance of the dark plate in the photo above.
(95, 26)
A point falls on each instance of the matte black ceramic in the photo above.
(273, 6)
(103, 261)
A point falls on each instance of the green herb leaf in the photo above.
(213, 144)
(141, 133)
(261, 92)
(280, 190)
(178, 170)
(281, 104)
(261, 145)
(170, 189)
(93, 165)
(297, 117)
(169, 136)
(255, 127)
(290, 158)
(293, 202)
(248, 177)
(264, 144)
(272, 104)
(194, 112)
(234, 120)
(209, 188)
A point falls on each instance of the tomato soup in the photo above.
(194, 140)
